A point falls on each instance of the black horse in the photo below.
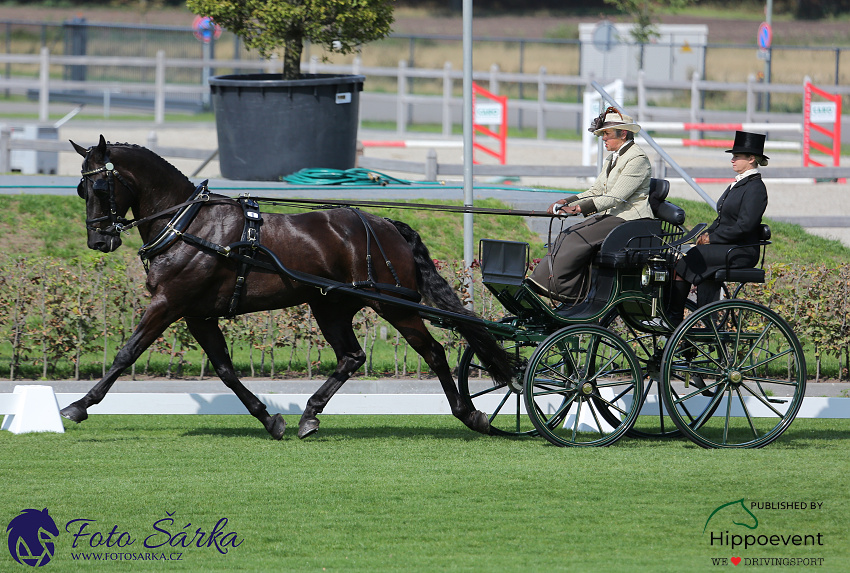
(197, 280)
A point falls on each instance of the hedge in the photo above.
(61, 319)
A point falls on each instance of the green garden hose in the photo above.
(356, 176)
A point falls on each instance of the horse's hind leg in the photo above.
(209, 336)
(335, 324)
(414, 331)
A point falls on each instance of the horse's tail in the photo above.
(438, 293)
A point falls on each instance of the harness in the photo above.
(244, 251)
(117, 223)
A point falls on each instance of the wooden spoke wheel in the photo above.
(751, 375)
(503, 404)
(575, 374)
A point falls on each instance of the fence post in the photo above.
(356, 64)
(159, 96)
(641, 95)
(447, 99)
(5, 148)
(44, 85)
(401, 101)
(494, 79)
(695, 104)
(431, 165)
(541, 102)
(751, 97)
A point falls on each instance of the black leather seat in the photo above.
(630, 244)
(747, 274)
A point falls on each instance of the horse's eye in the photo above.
(81, 189)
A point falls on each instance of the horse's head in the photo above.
(31, 536)
(108, 197)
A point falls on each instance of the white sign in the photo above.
(488, 114)
(344, 97)
(822, 112)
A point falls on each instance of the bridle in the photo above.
(117, 223)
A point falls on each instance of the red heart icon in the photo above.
(735, 560)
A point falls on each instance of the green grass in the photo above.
(55, 226)
(791, 243)
(419, 493)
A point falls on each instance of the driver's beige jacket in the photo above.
(622, 193)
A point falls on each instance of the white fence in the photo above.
(446, 106)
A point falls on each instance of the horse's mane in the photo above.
(152, 156)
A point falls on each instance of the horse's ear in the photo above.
(81, 150)
(101, 145)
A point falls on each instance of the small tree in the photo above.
(644, 12)
(340, 26)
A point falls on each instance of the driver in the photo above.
(619, 194)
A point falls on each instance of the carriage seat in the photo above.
(629, 244)
(746, 274)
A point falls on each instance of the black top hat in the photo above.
(749, 143)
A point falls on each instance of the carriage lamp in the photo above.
(655, 271)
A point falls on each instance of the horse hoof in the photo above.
(480, 423)
(276, 426)
(308, 428)
(74, 413)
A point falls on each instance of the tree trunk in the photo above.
(292, 58)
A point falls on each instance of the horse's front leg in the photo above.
(209, 336)
(154, 322)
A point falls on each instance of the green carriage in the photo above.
(731, 375)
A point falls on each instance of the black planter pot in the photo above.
(269, 127)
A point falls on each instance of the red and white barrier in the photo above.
(755, 127)
(673, 142)
(412, 143)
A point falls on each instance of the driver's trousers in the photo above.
(565, 271)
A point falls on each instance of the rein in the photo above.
(322, 203)
(317, 203)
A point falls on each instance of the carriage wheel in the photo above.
(573, 376)
(752, 373)
(480, 392)
(652, 421)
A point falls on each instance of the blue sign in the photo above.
(764, 36)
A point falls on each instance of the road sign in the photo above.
(205, 29)
(764, 36)
(605, 36)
